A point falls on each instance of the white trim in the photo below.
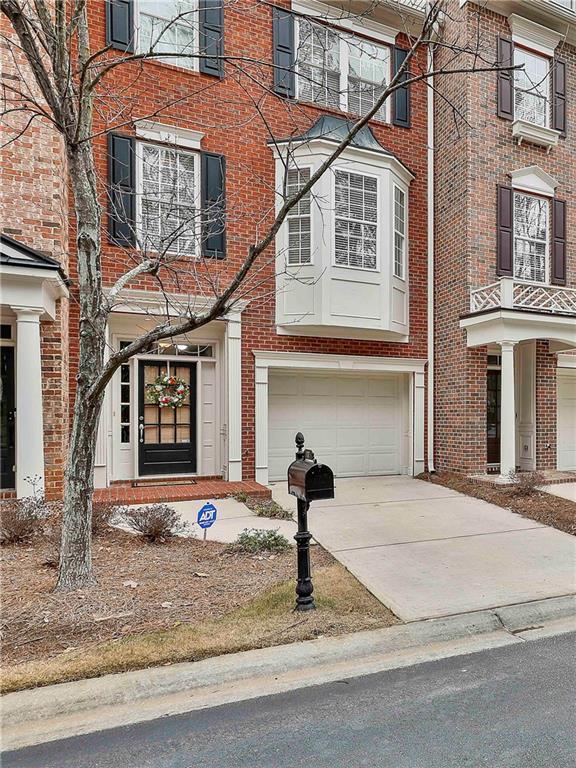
(233, 357)
(169, 134)
(566, 361)
(516, 326)
(312, 8)
(533, 179)
(430, 317)
(534, 36)
(540, 135)
(264, 360)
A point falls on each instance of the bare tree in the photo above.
(71, 84)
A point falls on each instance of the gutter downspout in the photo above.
(430, 248)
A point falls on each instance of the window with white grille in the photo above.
(318, 64)
(169, 26)
(299, 242)
(399, 232)
(530, 237)
(356, 217)
(169, 215)
(368, 70)
(531, 87)
(340, 70)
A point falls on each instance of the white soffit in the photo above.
(531, 35)
(169, 134)
(534, 179)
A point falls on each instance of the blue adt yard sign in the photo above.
(206, 515)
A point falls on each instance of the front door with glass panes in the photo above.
(166, 417)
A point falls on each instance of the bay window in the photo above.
(531, 87)
(356, 217)
(168, 199)
(299, 238)
(399, 232)
(340, 70)
(531, 215)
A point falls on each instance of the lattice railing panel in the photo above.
(545, 298)
(485, 298)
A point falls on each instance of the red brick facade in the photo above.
(474, 151)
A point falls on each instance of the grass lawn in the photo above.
(181, 601)
(540, 506)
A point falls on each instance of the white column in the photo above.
(507, 411)
(29, 419)
(418, 422)
(234, 385)
(261, 423)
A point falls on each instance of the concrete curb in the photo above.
(66, 709)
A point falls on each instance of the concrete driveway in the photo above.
(564, 490)
(426, 551)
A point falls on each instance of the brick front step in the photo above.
(201, 489)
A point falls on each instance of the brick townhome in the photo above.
(336, 342)
(505, 276)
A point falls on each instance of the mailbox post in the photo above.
(308, 481)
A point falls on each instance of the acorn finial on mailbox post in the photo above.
(308, 481)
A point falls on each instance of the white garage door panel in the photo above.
(567, 419)
(353, 423)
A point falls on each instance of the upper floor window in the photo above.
(168, 199)
(532, 87)
(169, 26)
(531, 216)
(299, 234)
(356, 227)
(399, 232)
(340, 70)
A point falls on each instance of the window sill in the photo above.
(341, 112)
(535, 134)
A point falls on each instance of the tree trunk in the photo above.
(75, 568)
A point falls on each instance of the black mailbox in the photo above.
(308, 480)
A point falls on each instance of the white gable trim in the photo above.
(534, 179)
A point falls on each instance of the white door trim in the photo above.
(264, 360)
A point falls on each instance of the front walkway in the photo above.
(426, 551)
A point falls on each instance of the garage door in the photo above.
(353, 423)
(567, 418)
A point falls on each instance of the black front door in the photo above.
(7, 419)
(166, 436)
(493, 394)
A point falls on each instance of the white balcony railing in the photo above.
(508, 293)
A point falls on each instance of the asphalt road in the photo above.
(513, 707)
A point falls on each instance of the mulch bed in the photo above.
(543, 507)
(141, 587)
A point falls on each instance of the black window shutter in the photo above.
(213, 205)
(558, 272)
(284, 54)
(212, 37)
(505, 246)
(120, 24)
(401, 97)
(121, 189)
(559, 96)
(505, 96)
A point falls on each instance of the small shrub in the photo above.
(104, 513)
(21, 519)
(526, 483)
(155, 522)
(254, 540)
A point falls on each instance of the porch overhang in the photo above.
(515, 325)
